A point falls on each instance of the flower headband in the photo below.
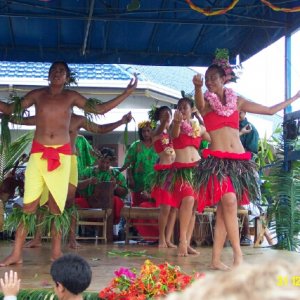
(222, 60)
(147, 123)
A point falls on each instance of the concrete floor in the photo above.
(35, 269)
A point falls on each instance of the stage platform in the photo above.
(34, 271)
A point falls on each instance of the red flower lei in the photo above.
(215, 103)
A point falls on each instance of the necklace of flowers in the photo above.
(215, 103)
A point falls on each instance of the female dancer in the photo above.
(186, 136)
(163, 198)
(226, 174)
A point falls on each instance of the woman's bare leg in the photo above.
(190, 234)
(170, 227)
(162, 223)
(229, 203)
(185, 215)
(220, 234)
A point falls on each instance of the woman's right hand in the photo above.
(198, 81)
(177, 117)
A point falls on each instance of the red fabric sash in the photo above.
(226, 155)
(51, 153)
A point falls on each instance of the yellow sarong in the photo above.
(39, 179)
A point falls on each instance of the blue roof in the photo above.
(177, 78)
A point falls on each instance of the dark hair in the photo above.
(186, 99)
(159, 110)
(68, 70)
(107, 153)
(218, 68)
(73, 272)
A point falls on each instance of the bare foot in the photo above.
(11, 260)
(55, 256)
(182, 249)
(74, 245)
(192, 251)
(219, 266)
(33, 244)
(162, 245)
(238, 259)
(171, 245)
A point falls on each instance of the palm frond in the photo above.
(284, 212)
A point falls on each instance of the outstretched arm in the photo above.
(103, 108)
(27, 101)
(256, 108)
(199, 98)
(6, 108)
(95, 128)
(28, 121)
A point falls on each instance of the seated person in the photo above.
(102, 172)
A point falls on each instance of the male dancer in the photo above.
(50, 160)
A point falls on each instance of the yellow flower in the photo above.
(196, 129)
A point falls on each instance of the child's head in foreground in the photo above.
(71, 272)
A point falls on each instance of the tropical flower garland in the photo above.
(153, 281)
(218, 107)
(208, 12)
(276, 8)
(191, 129)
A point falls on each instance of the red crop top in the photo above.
(162, 143)
(213, 121)
(184, 140)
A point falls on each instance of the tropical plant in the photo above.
(284, 212)
(12, 152)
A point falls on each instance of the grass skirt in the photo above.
(222, 172)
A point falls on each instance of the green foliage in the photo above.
(90, 111)
(284, 212)
(267, 148)
(18, 217)
(12, 152)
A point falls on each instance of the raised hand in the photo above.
(198, 80)
(10, 284)
(132, 84)
(127, 118)
(177, 116)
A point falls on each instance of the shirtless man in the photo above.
(53, 106)
(77, 123)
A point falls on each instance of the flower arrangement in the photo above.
(153, 281)
(222, 60)
(192, 129)
(215, 103)
(147, 123)
(167, 144)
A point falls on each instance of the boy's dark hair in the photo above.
(73, 272)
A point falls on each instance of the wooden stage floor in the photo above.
(34, 272)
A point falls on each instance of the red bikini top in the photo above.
(162, 143)
(184, 140)
(213, 121)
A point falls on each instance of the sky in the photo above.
(262, 79)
